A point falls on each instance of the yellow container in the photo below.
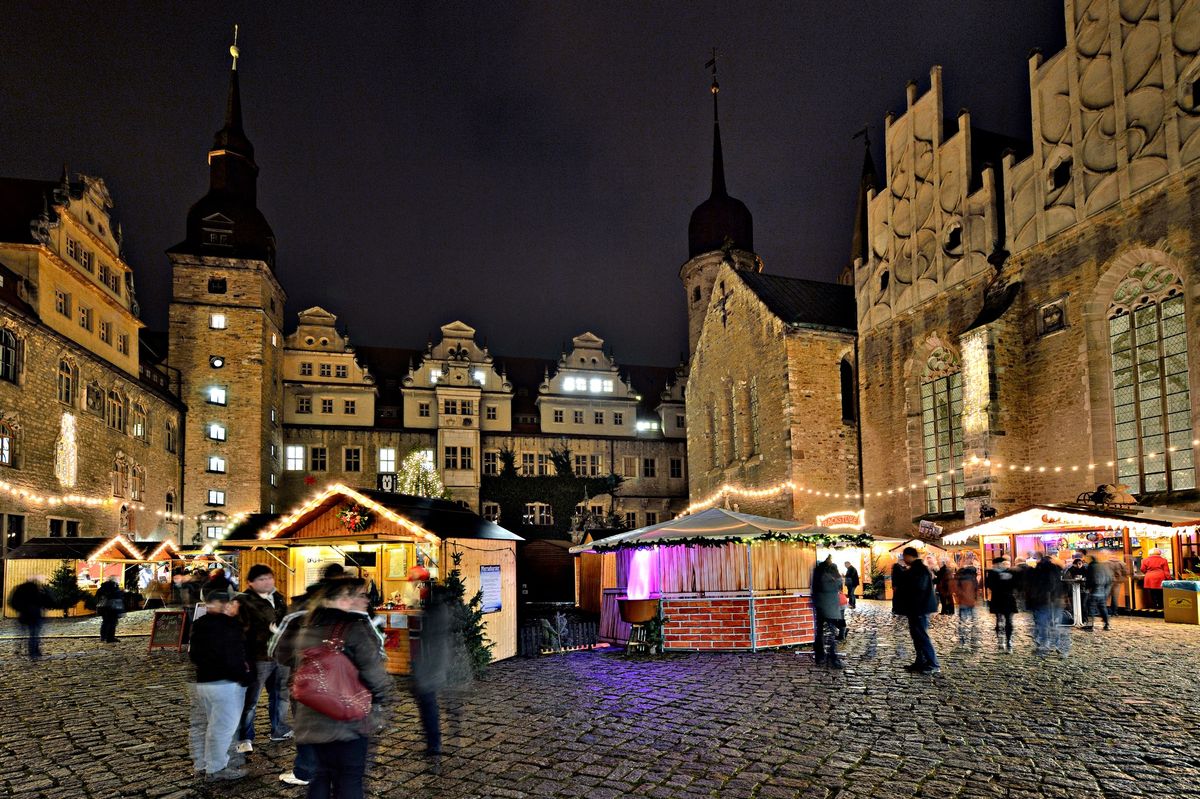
(1181, 601)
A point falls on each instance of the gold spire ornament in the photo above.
(233, 48)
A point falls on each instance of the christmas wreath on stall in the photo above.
(354, 517)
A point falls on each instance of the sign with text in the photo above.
(844, 520)
(489, 583)
(387, 481)
(166, 631)
(930, 530)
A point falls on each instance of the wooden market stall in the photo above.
(1126, 533)
(93, 559)
(389, 537)
(722, 580)
(154, 575)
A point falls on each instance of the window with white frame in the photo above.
(349, 407)
(66, 382)
(558, 415)
(216, 321)
(491, 511)
(325, 370)
(62, 302)
(115, 411)
(214, 531)
(578, 417)
(581, 465)
(490, 413)
(123, 343)
(216, 395)
(216, 431)
(6, 444)
(387, 460)
(341, 370)
(137, 422)
(941, 432)
(306, 369)
(216, 464)
(303, 404)
(326, 405)
(216, 496)
(450, 459)
(137, 483)
(293, 457)
(528, 464)
(352, 459)
(318, 459)
(491, 463)
(85, 317)
(598, 417)
(539, 514)
(618, 418)
(423, 410)
(544, 469)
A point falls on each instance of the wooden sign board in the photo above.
(167, 630)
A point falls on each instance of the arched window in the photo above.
(66, 382)
(169, 502)
(8, 356)
(137, 421)
(849, 405)
(171, 439)
(115, 411)
(7, 444)
(941, 432)
(137, 483)
(1147, 332)
(119, 477)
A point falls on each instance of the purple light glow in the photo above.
(640, 567)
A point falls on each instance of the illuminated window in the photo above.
(216, 395)
(137, 483)
(293, 456)
(435, 375)
(6, 445)
(216, 464)
(216, 431)
(480, 376)
(941, 419)
(629, 466)
(387, 460)
(214, 531)
(216, 497)
(216, 321)
(137, 422)
(1151, 400)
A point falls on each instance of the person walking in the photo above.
(218, 650)
(216, 580)
(30, 599)
(1120, 578)
(852, 581)
(1043, 598)
(262, 609)
(966, 595)
(1001, 583)
(915, 599)
(431, 664)
(341, 746)
(945, 587)
(827, 613)
(1155, 569)
(1097, 585)
(898, 617)
(110, 602)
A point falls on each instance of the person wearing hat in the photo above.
(218, 651)
(262, 609)
(914, 598)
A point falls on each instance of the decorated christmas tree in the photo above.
(417, 478)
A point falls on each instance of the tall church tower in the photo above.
(226, 337)
(721, 230)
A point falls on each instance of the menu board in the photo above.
(489, 583)
(167, 630)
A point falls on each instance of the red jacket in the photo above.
(1156, 569)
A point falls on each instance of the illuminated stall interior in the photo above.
(722, 580)
(1126, 532)
(400, 542)
(94, 560)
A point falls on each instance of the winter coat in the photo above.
(913, 591)
(898, 569)
(29, 599)
(431, 660)
(1043, 584)
(218, 582)
(1002, 585)
(218, 649)
(852, 580)
(1155, 568)
(966, 586)
(257, 615)
(826, 585)
(364, 647)
(945, 580)
(1098, 578)
(110, 597)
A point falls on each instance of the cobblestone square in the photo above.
(1117, 718)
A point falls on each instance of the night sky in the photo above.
(528, 168)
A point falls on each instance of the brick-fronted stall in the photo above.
(737, 622)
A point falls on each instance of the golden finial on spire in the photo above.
(712, 64)
(233, 48)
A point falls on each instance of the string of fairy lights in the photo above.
(738, 492)
(80, 500)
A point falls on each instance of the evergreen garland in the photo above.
(834, 541)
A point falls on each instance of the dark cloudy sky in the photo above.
(529, 168)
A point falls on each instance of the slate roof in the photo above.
(805, 302)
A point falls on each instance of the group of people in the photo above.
(245, 643)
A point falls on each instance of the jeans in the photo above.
(33, 628)
(275, 678)
(918, 628)
(305, 764)
(108, 625)
(850, 589)
(427, 707)
(1007, 620)
(820, 654)
(215, 710)
(341, 768)
(968, 631)
(1097, 602)
(1046, 634)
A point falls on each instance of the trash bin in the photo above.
(1180, 601)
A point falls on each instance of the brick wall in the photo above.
(722, 624)
(783, 620)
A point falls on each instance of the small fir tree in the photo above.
(64, 587)
(466, 618)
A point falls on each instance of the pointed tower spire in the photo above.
(718, 166)
(868, 182)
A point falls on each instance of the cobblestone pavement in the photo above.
(1117, 718)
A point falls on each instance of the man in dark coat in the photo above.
(262, 609)
(218, 651)
(1001, 583)
(827, 612)
(915, 599)
(110, 603)
(852, 582)
(29, 599)
(1043, 597)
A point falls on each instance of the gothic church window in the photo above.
(755, 435)
(1147, 330)
(9, 362)
(846, 373)
(7, 445)
(66, 382)
(941, 421)
(172, 438)
(114, 411)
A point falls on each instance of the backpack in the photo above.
(327, 681)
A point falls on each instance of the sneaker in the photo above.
(291, 779)
(932, 670)
(284, 737)
(227, 773)
(245, 746)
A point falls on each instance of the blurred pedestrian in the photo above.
(30, 599)
(966, 594)
(218, 650)
(431, 664)
(1044, 597)
(852, 581)
(215, 580)
(110, 604)
(1001, 583)
(827, 612)
(1155, 569)
(915, 599)
(944, 579)
(1098, 586)
(1120, 578)
(898, 617)
(262, 609)
(341, 746)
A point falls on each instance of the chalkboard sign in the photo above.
(167, 631)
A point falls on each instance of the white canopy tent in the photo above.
(714, 524)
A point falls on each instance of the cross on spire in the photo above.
(233, 48)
